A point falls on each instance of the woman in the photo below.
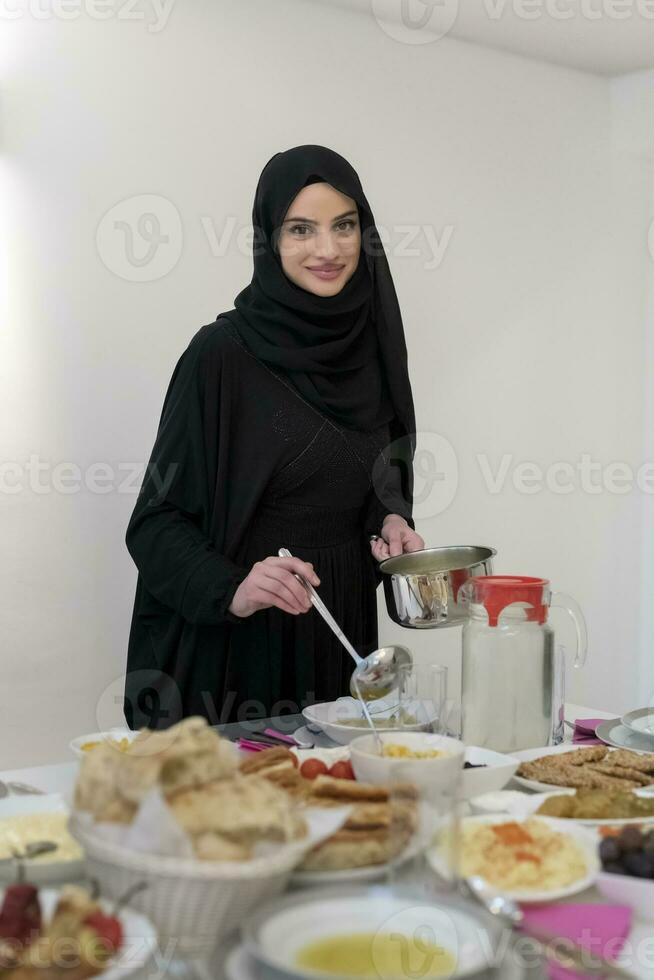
(276, 432)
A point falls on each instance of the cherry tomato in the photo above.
(342, 770)
(313, 768)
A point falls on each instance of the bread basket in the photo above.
(192, 903)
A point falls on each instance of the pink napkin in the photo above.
(601, 928)
(584, 731)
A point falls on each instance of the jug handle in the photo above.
(569, 605)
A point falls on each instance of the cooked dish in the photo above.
(404, 752)
(597, 804)
(380, 823)
(19, 831)
(77, 943)
(121, 744)
(594, 767)
(527, 856)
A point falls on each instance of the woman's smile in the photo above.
(330, 270)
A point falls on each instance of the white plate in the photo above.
(276, 933)
(37, 871)
(116, 734)
(140, 937)
(528, 755)
(530, 802)
(583, 837)
(641, 721)
(614, 733)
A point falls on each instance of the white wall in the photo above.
(527, 340)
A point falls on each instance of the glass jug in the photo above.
(513, 676)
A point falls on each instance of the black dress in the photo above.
(242, 466)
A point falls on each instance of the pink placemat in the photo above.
(602, 929)
(584, 731)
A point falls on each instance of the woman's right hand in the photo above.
(272, 582)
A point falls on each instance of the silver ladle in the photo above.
(561, 953)
(375, 675)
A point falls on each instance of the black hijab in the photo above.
(346, 354)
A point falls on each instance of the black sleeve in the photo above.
(390, 494)
(167, 534)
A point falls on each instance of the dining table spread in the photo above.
(61, 777)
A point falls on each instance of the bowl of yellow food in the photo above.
(29, 820)
(119, 738)
(433, 763)
(366, 932)
(530, 859)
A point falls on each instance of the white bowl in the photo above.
(332, 716)
(115, 735)
(38, 871)
(441, 773)
(625, 890)
(277, 932)
(439, 859)
(498, 770)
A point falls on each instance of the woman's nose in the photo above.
(326, 245)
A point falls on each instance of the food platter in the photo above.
(532, 755)
(582, 839)
(530, 803)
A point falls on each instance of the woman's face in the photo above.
(320, 240)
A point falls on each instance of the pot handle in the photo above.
(561, 600)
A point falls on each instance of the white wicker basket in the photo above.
(193, 904)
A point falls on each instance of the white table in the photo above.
(60, 778)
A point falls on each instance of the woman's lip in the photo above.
(326, 272)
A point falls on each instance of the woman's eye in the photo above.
(300, 229)
(349, 224)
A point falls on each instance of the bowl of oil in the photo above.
(372, 932)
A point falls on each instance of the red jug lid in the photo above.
(495, 592)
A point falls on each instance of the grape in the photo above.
(630, 839)
(609, 850)
(638, 865)
(613, 868)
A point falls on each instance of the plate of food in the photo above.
(586, 807)
(590, 767)
(343, 720)
(381, 827)
(530, 859)
(119, 738)
(28, 821)
(70, 933)
(628, 869)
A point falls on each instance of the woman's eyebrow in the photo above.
(312, 221)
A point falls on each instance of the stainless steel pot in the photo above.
(422, 587)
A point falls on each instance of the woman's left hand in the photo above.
(396, 538)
